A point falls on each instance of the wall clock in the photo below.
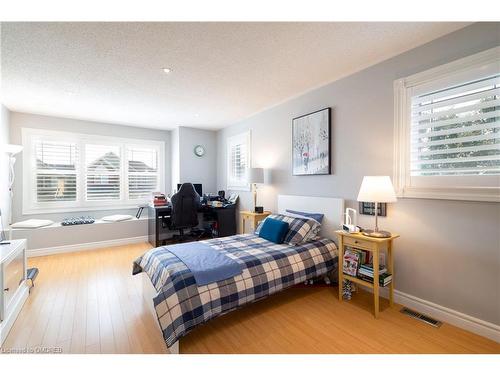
(199, 150)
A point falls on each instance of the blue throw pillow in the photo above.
(273, 230)
(317, 217)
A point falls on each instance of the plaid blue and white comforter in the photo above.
(181, 304)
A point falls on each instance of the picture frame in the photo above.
(368, 208)
(311, 143)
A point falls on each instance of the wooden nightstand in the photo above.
(253, 217)
(375, 245)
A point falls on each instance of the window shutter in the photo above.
(456, 131)
(56, 177)
(238, 161)
(103, 165)
(142, 172)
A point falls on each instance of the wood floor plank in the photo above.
(89, 302)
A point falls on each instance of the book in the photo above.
(365, 272)
(351, 262)
(384, 279)
(368, 269)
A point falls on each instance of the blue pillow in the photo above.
(317, 217)
(273, 230)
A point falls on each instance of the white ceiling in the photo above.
(222, 72)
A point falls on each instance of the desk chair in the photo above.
(185, 205)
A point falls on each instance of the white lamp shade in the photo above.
(377, 189)
(12, 149)
(257, 175)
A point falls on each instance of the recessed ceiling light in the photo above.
(167, 70)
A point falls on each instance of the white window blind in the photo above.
(447, 130)
(456, 131)
(238, 156)
(56, 171)
(103, 165)
(66, 171)
(142, 172)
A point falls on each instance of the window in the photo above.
(76, 172)
(447, 129)
(142, 172)
(102, 177)
(56, 171)
(238, 161)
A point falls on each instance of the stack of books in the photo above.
(159, 200)
(365, 273)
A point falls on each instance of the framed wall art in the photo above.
(311, 140)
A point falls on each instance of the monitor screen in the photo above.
(197, 187)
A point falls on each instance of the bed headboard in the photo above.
(332, 208)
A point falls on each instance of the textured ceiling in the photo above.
(221, 72)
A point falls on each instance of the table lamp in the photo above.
(376, 189)
(256, 177)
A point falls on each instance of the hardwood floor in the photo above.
(88, 302)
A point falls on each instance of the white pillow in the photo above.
(32, 224)
(116, 218)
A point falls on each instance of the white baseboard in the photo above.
(445, 314)
(84, 246)
(467, 322)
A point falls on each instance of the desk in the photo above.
(159, 222)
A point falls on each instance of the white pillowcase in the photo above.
(32, 224)
(116, 218)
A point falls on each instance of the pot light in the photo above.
(167, 70)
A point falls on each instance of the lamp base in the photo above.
(376, 234)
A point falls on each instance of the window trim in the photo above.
(230, 140)
(30, 206)
(403, 89)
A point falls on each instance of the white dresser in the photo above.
(12, 284)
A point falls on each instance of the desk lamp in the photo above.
(256, 177)
(376, 189)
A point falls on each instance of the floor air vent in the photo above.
(423, 318)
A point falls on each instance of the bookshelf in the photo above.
(375, 246)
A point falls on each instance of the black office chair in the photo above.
(185, 205)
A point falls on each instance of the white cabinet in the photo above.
(13, 287)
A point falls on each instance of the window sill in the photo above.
(459, 194)
(59, 225)
(36, 211)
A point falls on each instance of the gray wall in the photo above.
(24, 120)
(174, 148)
(198, 169)
(4, 166)
(449, 251)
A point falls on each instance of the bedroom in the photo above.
(178, 150)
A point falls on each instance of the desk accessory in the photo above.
(376, 189)
(233, 198)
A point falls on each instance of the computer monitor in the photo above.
(197, 187)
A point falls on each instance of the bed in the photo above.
(179, 304)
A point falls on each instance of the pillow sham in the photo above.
(298, 228)
(274, 230)
(316, 216)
